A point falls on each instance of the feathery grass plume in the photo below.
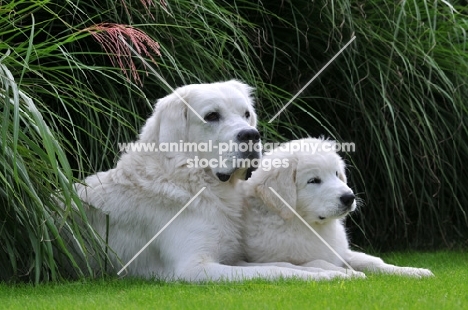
(108, 35)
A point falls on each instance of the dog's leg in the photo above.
(329, 266)
(219, 272)
(326, 273)
(364, 262)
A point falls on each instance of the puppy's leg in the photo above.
(324, 265)
(364, 262)
(327, 274)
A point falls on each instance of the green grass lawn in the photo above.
(447, 290)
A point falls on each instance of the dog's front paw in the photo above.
(355, 274)
(332, 274)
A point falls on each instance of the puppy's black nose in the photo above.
(248, 135)
(347, 199)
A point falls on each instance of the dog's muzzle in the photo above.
(223, 177)
(249, 139)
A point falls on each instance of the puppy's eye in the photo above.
(314, 181)
(337, 173)
(212, 117)
(247, 114)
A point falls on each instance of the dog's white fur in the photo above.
(312, 184)
(146, 189)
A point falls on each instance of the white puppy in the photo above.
(147, 189)
(313, 184)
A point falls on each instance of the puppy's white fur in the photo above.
(146, 189)
(314, 184)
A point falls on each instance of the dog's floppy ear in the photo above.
(283, 181)
(169, 120)
(246, 91)
(244, 88)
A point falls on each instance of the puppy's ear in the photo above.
(342, 176)
(169, 120)
(342, 171)
(283, 181)
(331, 147)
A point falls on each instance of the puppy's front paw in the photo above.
(413, 272)
(418, 272)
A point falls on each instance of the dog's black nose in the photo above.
(248, 135)
(223, 177)
(347, 199)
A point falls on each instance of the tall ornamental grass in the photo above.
(400, 94)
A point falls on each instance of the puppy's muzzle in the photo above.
(347, 200)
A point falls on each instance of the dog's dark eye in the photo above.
(314, 181)
(212, 117)
(337, 173)
(247, 114)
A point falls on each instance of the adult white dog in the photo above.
(313, 183)
(147, 189)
